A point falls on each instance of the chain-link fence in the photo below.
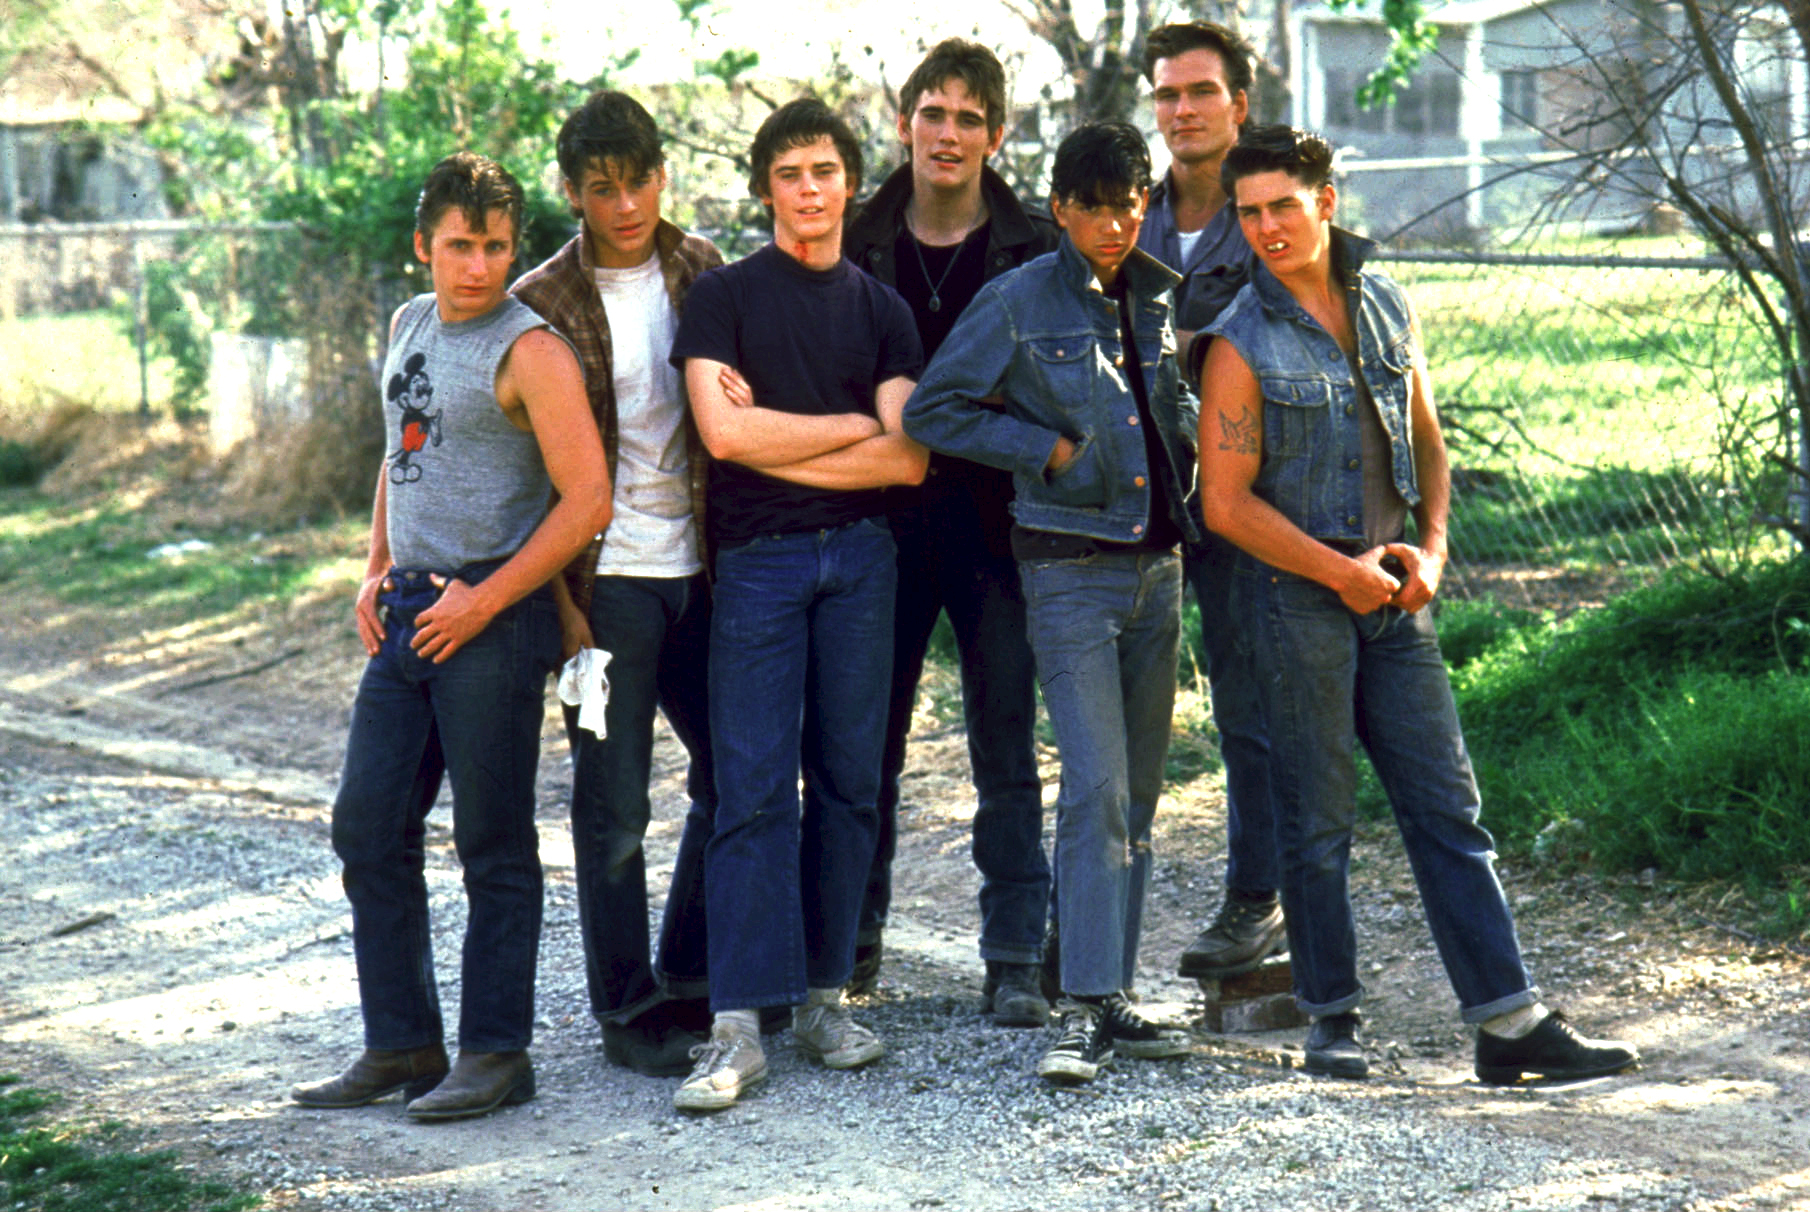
(1607, 417)
(1604, 414)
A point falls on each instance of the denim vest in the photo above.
(1046, 339)
(1312, 468)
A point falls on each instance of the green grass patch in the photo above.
(59, 1167)
(110, 555)
(1666, 729)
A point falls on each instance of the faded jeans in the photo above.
(1332, 679)
(1105, 630)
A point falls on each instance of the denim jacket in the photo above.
(1046, 340)
(1312, 468)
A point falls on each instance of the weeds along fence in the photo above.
(1603, 413)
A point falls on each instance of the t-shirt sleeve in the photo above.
(901, 351)
(707, 325)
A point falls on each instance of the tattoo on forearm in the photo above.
(1238, 434)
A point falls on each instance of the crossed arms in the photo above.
(840, 452)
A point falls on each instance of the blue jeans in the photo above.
(800, 661)
(1332, 679)
(946, 563)
(657, 630)
(480, 712)
(1105, 630)
(1252, 867)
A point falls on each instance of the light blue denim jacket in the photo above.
(1045, 339)
(1312, 468)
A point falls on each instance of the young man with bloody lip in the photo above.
(937, 229)
(1319, 441)
(638, 590)
(797, 366)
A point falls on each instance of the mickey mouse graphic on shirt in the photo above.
(412, 391)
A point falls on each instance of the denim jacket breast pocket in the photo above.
(1388, 378)
(1294, 406)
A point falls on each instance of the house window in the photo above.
(1520, 100)
(1763, 61)
(1428, 106)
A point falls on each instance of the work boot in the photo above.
(1333, 1048)
(1244, 934)
(1013, 997)
(865, 977)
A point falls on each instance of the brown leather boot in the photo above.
(375, 1074)
(479, 1083)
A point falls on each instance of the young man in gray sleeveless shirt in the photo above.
(487, 420)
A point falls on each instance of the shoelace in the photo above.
(1077, 1025)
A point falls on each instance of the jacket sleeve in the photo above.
(974, 363)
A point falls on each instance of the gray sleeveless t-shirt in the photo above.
(464, 484)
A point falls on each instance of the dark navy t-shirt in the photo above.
(815, 342)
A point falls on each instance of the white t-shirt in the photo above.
(652, 532)
(1188, 240)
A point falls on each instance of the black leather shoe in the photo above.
(1333, 1048)
(1551, 1050)
(479, 1083)
(657, 1049)
(1243, 935)
(376, 1074)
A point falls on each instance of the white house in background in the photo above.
(1440, 158)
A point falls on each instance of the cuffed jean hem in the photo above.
(672, 988)
(1322, 1009)
(625, 1014)
(1502, 1005)
(1010, 955)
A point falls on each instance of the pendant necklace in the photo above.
(936, 291)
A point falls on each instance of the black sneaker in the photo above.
(1243, 935)
(1551, 1050)
(1333, 1048)
(1135, 1035)
(866, 975)
(1082, 1049)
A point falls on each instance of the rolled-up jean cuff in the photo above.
(1502, 1005)
(1341, 1006)
(1010, 955)
(684, 989)
(623, 1015)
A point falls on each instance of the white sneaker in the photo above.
(728, 1064)
(827, 1032)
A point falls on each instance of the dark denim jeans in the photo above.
(481, 713)
(1105, 630)
(1252, 867)
(800, 662)
(1332, 679)
(945, 563)
(657, 630)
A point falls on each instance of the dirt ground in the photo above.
(176, 955)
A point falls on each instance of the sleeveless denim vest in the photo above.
(1312, 469)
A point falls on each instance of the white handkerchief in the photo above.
(583, 684)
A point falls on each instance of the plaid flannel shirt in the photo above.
(563, 290)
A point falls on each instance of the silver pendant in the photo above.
(936, 304)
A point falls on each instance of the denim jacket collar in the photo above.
(1349, 252)
(1148, 278)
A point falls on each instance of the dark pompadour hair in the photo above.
(609, 126)
(1301, 154)
(1101, 163)
(959, 59)
(794, 124)
(1168, 41)
(475, 185)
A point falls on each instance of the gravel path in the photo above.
(220, 974)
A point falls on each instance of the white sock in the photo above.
(741, 1022)
(1516, 1023)
(823, 997)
